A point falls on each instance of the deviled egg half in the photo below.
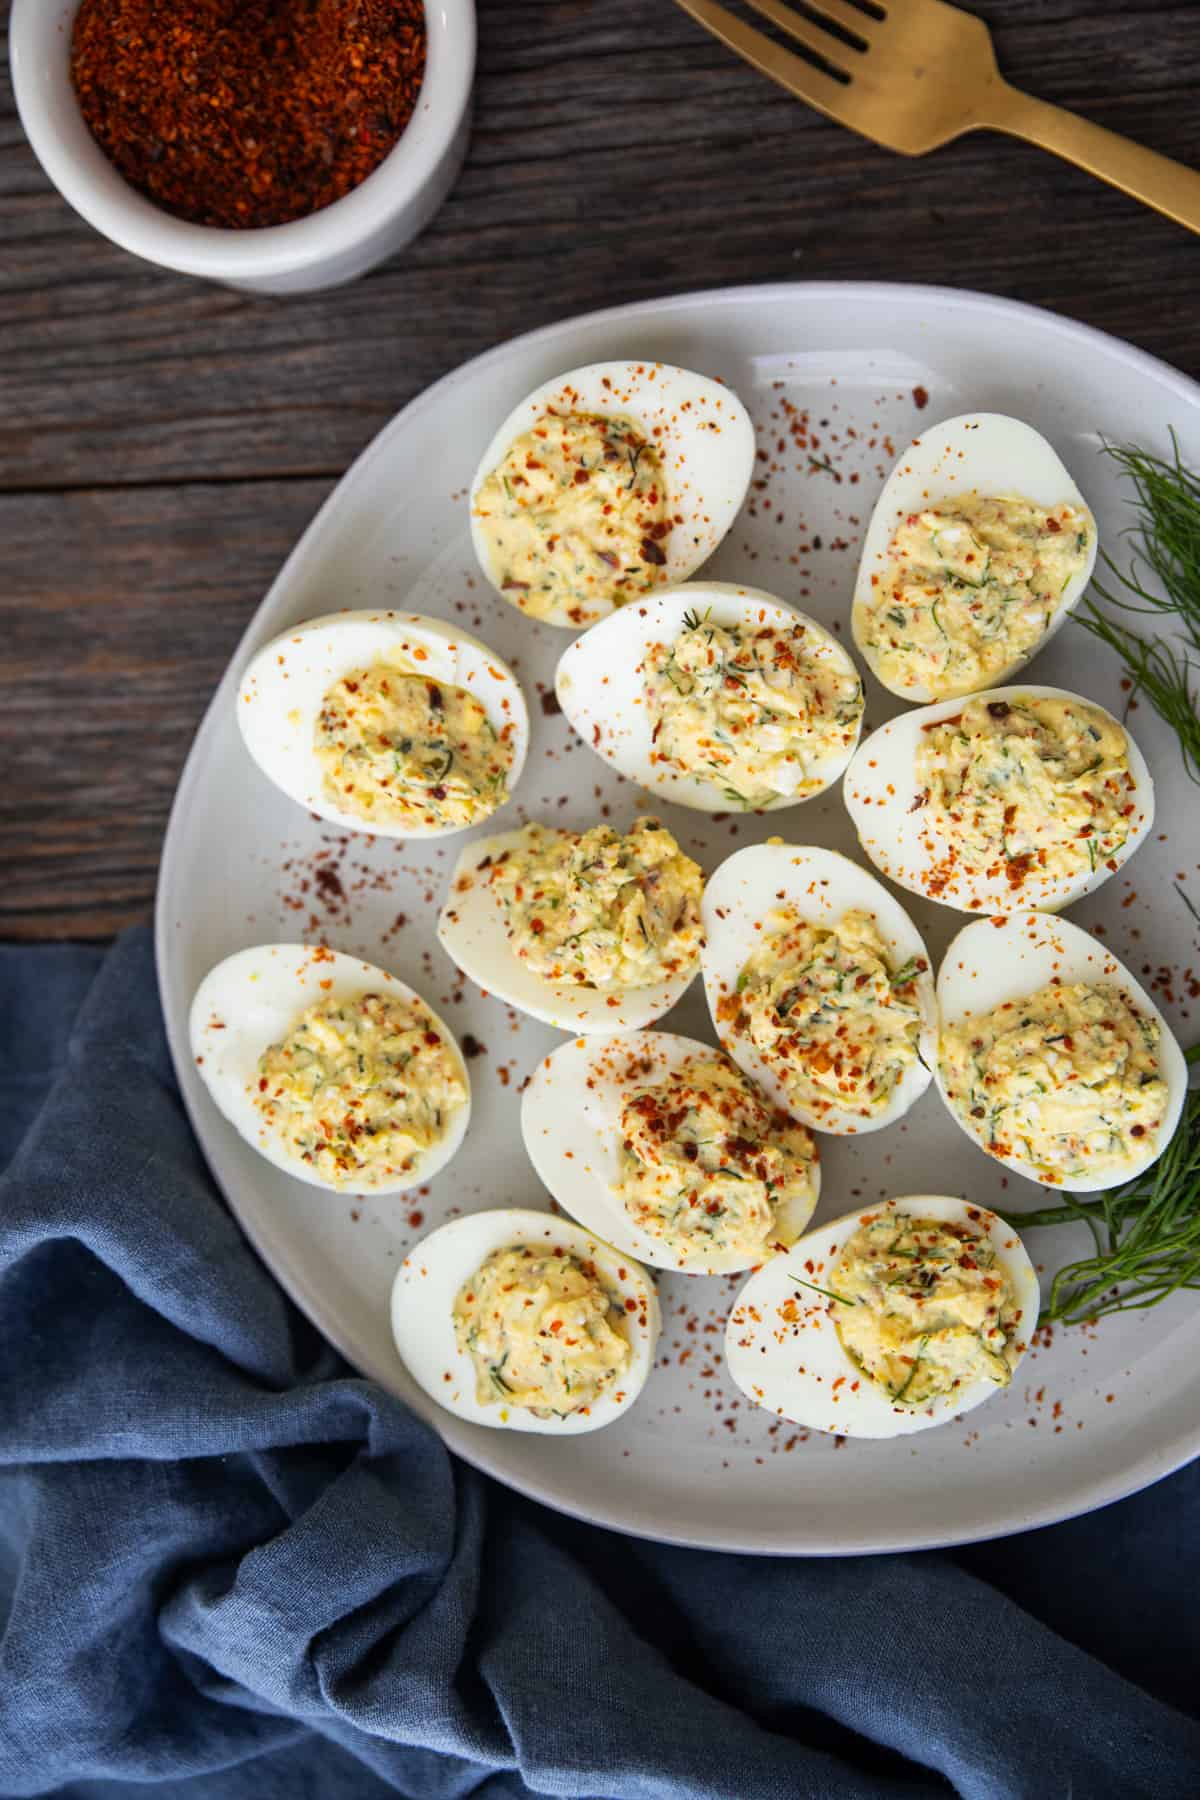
(331, 1068)
(819, 986)
(594, 930)
(386, 722)
(606, 482)
(663, 1146)
(890, 1320)
(526, 1322)
(979, 546)
(1052, 1058)
(716, 697)
(1018, 796)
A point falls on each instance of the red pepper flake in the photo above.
(329, 886)
(247, 113)
(920, 398)
(550, 704)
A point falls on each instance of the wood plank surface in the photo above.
(163, 442)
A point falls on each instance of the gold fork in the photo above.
(915, 74)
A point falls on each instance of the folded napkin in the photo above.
(230, 1567)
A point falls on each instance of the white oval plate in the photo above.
(1094, 1415)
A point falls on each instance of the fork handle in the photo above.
(1168, 186)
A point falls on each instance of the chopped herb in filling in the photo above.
(1033, 786)
(542, 1330)
(401, 749)
(831, 1019)
(924, 1308)
(970, 587)
(603, 908)
(359, 1089)
(706, 1164)
(1067, 1079)
(758, 713)
(575, 517)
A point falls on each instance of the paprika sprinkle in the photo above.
(245, 113)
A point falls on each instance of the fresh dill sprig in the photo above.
(1146, 1233)
(1166, 552)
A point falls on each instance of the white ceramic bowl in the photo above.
(323, 250)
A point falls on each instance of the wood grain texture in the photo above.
(162, 442)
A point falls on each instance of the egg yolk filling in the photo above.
(542, 1331)
(970, 587)
(603, 908)
(757, 713)
(1067, 1079)
(401, 749)
(360, 1089)
(575, 516)
(1036, 786)
(835, 1024)
(924, 1308)
(706, 1166)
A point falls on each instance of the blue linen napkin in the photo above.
(229, 1567)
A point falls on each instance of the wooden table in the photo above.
(163, 442)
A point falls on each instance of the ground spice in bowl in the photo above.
(247, 113)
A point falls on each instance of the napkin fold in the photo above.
(230, 1567)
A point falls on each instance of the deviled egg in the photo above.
(526, 1322)
(716, 697)
(386, 722)
(1052, 1058)
(890, 1320)
(1019, 796)
(662, 1145)
(605, 483)
(979, 546)
(819, 986)
(596, 930)
(331, 1068)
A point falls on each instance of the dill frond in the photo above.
(1163, 670)
(1146, 1233)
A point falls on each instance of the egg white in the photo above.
(820, 886)
(252, 1000)
(571, 1124)
(286, 681)
(881, 786)
(984, 453)
(600, 684)
(699, 427)
(996, 960)
(427, 1285)
(793, 1364)
(471, 931)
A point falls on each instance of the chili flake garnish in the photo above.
(247, 113)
